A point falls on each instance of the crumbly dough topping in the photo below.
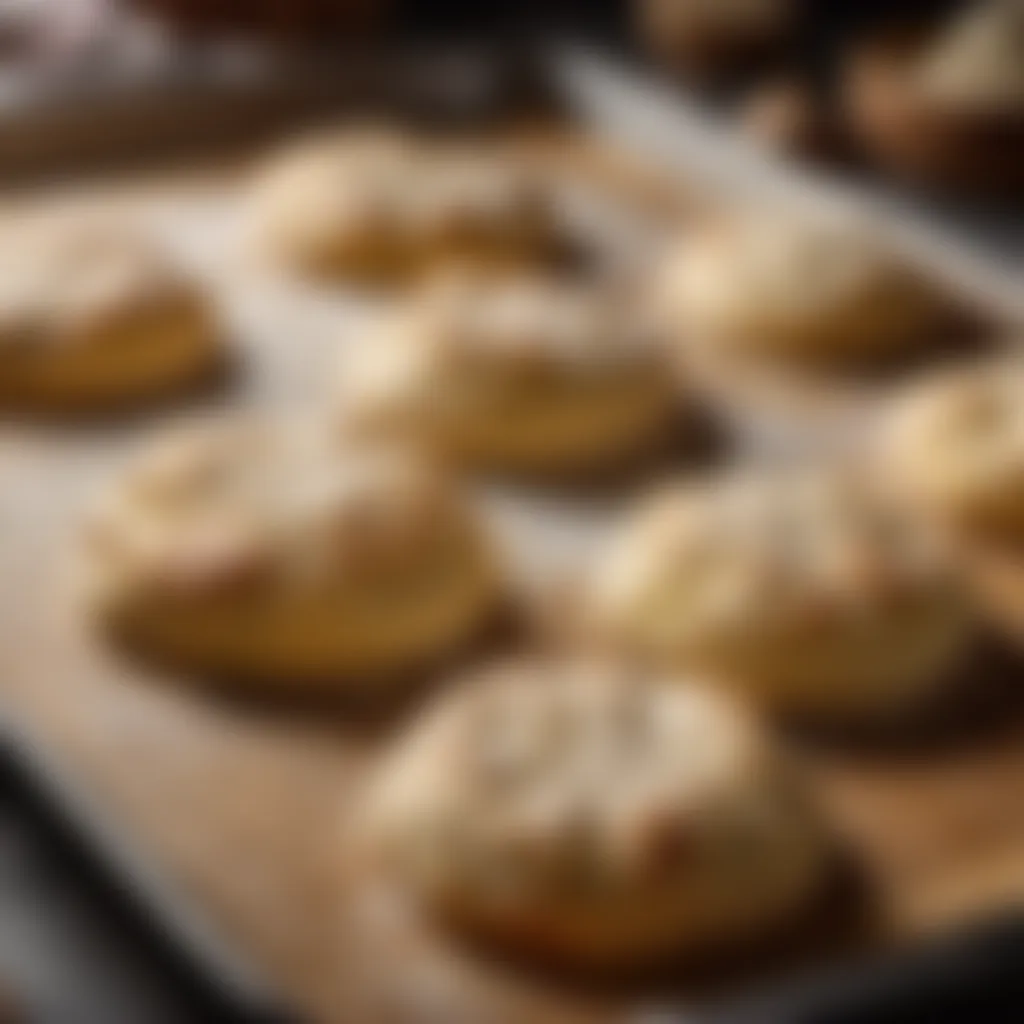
(779, 553)
(406, 190)
(476, 338)
(762, 273)
(233, 504)
(61, 281)
(963, 433)
(581, 780)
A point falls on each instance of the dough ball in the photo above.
(595, 815)
(273, 554)
(799, 587)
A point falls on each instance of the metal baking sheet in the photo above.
(235, 809)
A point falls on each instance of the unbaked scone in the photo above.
(707, 36)
(262, 553)
(95, 314)
(596, 815)
(521, 374)
(385, 208)
(800, 587)
(810, 291)
(955, 445)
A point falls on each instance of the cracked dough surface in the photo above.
(522, 374)
(797, 587)
(955, 443)
(277, 554)
(809, 293)
(595, 814)
(94, 314)
(386, 208)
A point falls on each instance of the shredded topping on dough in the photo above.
(779, 265)
(962, 436)
(405, 191)
(775, 553)
(524, 326)
(61, 280)
(821, 287)
(584, 778)
(240, 502)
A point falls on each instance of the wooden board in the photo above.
(243, 806)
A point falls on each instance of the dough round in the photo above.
(596, 815)
(520, 374)
(955, 443)
(944, 102)
(797, 586)
(94, 314)
(705, 36)
(811, 292)
(384, 208)
(275, 555)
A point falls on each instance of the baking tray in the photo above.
(79, 943)
(235, 809)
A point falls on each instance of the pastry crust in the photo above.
(707, 36)
(385, 208)
(810, 293)
(802, 588)
(519, 374)
(94, 315)
(944, 104)
(955, 445)
(274, 555)
(595, 815)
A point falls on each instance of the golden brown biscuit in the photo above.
(94, 314)
(272, 555)
(811, 293)
(799, 587)
(522, 374)
(955, 444)
(943, 103)
(385, 208)
(596, 815)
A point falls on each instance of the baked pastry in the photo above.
(596, 815)
(273, 555)
(94, 314)
(521, 374)
(800, 587)
(384, 208)
(943, 102)
(955, 444)
(707, 36)
(807, 292)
